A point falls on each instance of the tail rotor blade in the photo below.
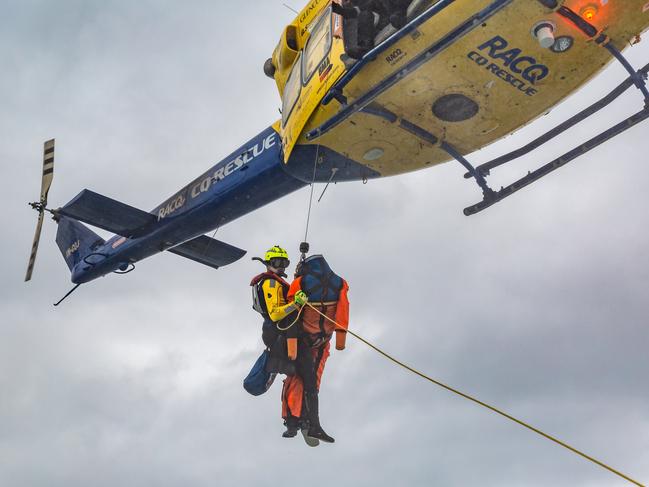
(41, 206)
(48, 170)
(37, 237)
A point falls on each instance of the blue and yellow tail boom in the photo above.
(247, 179)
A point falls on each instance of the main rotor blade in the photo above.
(48, 170)
(37, 237)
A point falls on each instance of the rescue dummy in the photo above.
(270, 299)
(327, 293)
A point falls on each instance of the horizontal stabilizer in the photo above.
(109, 214)
(209, 251)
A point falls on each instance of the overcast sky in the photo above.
(538, 305)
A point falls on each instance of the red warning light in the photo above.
(589, 12)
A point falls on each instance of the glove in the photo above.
(291, 347)
(341, 337)
(301, 298)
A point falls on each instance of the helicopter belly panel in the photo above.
(483, 86)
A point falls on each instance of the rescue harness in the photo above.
(322, 286)
(258, 301)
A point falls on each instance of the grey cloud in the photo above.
(537, 306)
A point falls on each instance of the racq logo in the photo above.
(510, 65)
(174, 204)
(395, 56)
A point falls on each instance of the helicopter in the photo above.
(370, 89)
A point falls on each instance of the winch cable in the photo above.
(473, 399)
(304, 246)
(308, 215)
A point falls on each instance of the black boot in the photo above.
(291, 424)
(304, 429)
(315, 430)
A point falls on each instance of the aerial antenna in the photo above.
(333, 173)
(290, 8)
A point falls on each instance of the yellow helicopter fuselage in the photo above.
(438, 83)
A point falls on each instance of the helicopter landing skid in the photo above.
(479, 173)
(637, 78)
(496, 196)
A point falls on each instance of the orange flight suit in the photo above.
(314, 334)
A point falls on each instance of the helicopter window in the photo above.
(318, 45)
(291, 90)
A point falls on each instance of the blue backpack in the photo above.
(258, 379)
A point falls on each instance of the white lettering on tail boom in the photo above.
(224, 171)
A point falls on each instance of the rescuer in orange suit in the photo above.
(326, 292)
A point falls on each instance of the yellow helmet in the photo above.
(275, 252)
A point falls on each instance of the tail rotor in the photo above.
(41, 206)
